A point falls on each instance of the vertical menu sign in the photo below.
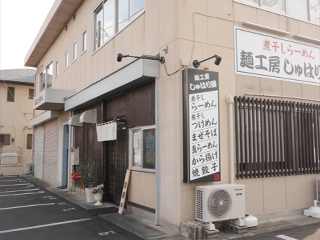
(201, 126)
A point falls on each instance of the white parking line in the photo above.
(45, 225)
(27, 190)
(9, 176)
(21, 184)
(18, 194)
(286, 237)
(26, 206)
(10, 180)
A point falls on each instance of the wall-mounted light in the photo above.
(157, 58)
(66, 28)
(196, 63)
(74, 17)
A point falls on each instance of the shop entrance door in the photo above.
(116, 156)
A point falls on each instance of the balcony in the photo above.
(51, 99)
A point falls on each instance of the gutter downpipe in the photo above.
(158, 151)
(23, 136)
(230, 101)
(33, 111)
(70, 136)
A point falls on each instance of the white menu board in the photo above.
(201, 126)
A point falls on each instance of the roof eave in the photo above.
(46, 36)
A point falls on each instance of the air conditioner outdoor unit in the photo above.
(220, 202)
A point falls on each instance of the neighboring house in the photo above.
(17, 93)
(269, 51)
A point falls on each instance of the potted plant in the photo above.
(98, 194)
(90, 170)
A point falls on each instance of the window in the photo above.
(74, 53)
(128, 10)
(84, 41)
(142, 148)
(306, 10)
(298, 9)
(66, 59)
(5, 139)
(276, 138)
(49, 75)
(314, 11)
(31, 93)
(29, 141)
(10, 94)
(46, 77)
(106, 22)
(57, 68)
(42, 80)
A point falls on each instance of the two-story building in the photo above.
(17, 92)
(175, 127)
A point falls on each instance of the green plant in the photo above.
(90, 170)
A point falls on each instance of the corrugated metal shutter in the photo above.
(38, 152)
(50, 151)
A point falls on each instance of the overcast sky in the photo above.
(20, 23)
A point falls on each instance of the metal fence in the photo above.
(15, 160)
(276, 138)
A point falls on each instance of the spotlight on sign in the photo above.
(157, 57)
(196, 63)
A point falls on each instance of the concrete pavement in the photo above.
(147, 230)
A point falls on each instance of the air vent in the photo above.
(199, 202)
(219, 203)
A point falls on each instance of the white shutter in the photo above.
(38, 152)
(50, 151)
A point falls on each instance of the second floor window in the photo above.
(84, 41)
(306, 10)
(74, 56)
(31, 93)
(10, 94)
(57, 68)
(128, 10)
(46, 77)
(106, 22)
(66, 59)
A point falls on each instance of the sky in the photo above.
(21, 21)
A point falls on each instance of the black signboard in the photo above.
(201, 131)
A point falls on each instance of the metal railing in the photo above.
(15, 160)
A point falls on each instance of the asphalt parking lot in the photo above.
(31, 212)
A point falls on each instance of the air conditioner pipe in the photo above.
(230, 101)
